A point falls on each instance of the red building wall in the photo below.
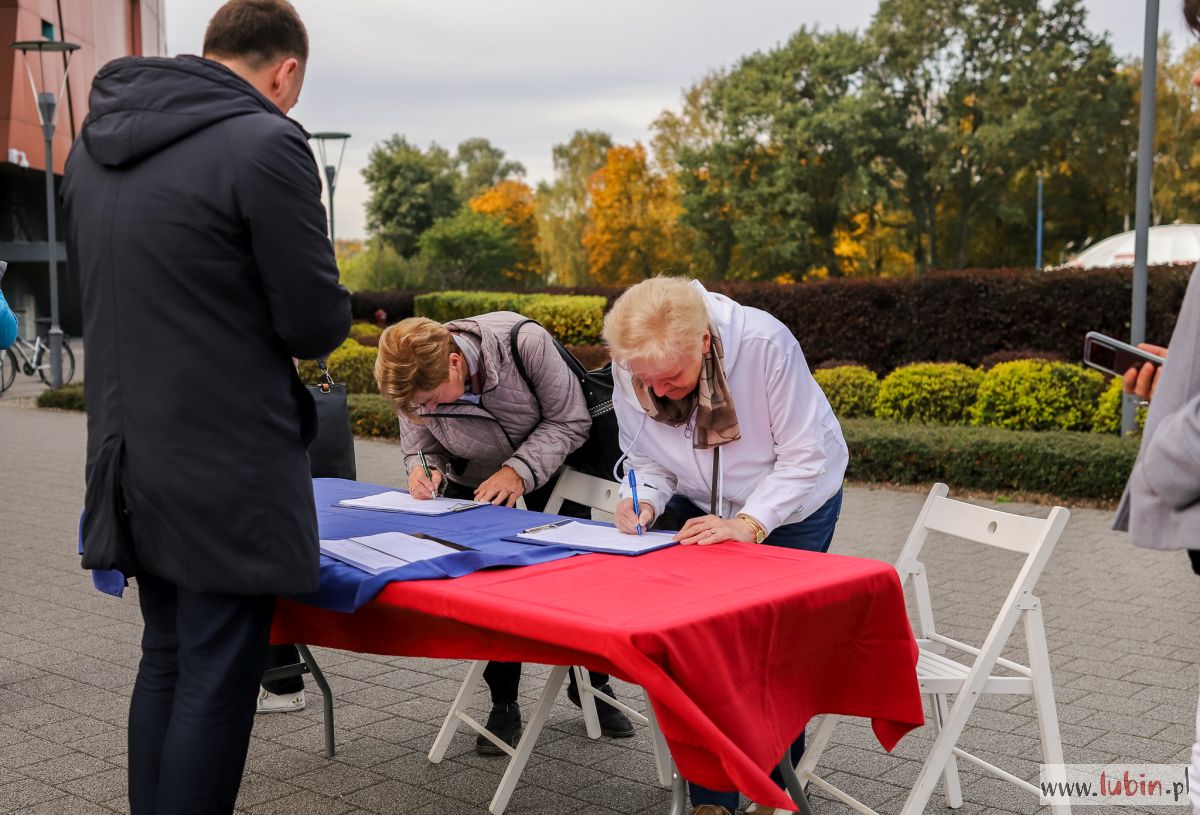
(105, 30)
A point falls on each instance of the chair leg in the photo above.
(664, 766)
(587, 702)
(943, 745)
(939, 708)
(326, 696)
(461, 701)
(1043, 696)
(533, 728)
(816, 746)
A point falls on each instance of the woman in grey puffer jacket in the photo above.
(485, 434)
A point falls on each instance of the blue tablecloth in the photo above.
(344, 588)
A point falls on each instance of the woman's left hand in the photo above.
(504, 487)
(711, 529)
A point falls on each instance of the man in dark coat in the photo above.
(195, 223)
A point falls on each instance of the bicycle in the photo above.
(35, 358)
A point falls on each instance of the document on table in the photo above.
(376, 554)
(594, 538)
(396, 501)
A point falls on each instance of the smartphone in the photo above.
(1113, 356)
(3, 268)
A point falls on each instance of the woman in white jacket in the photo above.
(729, 435)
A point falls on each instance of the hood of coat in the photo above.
(140, 105)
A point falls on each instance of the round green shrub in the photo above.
(359, 330)
(310, 374)
(1108, 411)
(372, 415)
(354, 365)
(928, 392)
(1033, 394)
(68, 397)
(851, 390)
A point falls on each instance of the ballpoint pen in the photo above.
(637, 507)
(425, 466)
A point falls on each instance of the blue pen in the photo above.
(637, 507)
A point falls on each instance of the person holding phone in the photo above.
(1161, 505)
(472, 427)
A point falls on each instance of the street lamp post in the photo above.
(47, 107)
(325, 143)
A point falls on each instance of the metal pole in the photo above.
(1145, 169)
(330, 174)
(1039, 223)
(46, 103)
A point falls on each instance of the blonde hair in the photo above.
(656, 322)
(414, 355)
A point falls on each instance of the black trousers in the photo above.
(194, 698)
(504, 678)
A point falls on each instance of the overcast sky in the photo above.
(527, 73)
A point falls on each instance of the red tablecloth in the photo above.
(738, 645)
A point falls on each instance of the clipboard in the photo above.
(592, 537)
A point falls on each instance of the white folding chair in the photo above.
(941, 677)
(601, 497)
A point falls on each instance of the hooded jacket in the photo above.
(791, 457)
(530, 431)
(195, 225)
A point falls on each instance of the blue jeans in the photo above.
(813, 534)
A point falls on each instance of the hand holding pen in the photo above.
(424, 483)
(630, 520)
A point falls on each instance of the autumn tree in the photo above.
(482, 166)
(512, 202)
(631, 220)
(410, 189)
(466, 250)
(562, 206)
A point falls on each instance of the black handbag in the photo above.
(331, 452)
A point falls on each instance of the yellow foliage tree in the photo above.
(513, 203)
(632, 220)
(873, 246)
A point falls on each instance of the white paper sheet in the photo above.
(597, 538)
(407, 548)
(360, 557)
(396, 501)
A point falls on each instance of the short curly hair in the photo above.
(656, 322)
(414, 355)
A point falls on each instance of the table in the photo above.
(732, 642)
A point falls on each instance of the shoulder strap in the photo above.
(516, 354)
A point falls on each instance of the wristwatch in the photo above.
(760, 534)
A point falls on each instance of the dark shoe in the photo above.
(504, 722)
(613, 723)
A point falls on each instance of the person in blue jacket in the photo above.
(8, 321)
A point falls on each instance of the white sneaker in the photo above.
(279, 703)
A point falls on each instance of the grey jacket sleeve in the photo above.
(1170, 464)
(415, 438)
(565, 419)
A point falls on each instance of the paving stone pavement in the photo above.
(1121, 623)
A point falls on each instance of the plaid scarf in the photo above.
(716, 420)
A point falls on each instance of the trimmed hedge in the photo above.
(1060, 463)
(360, 330)
(850, 389)
(961, 316)
(1032, 394)
(68, 397)
(574, 320)
(939, 392)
